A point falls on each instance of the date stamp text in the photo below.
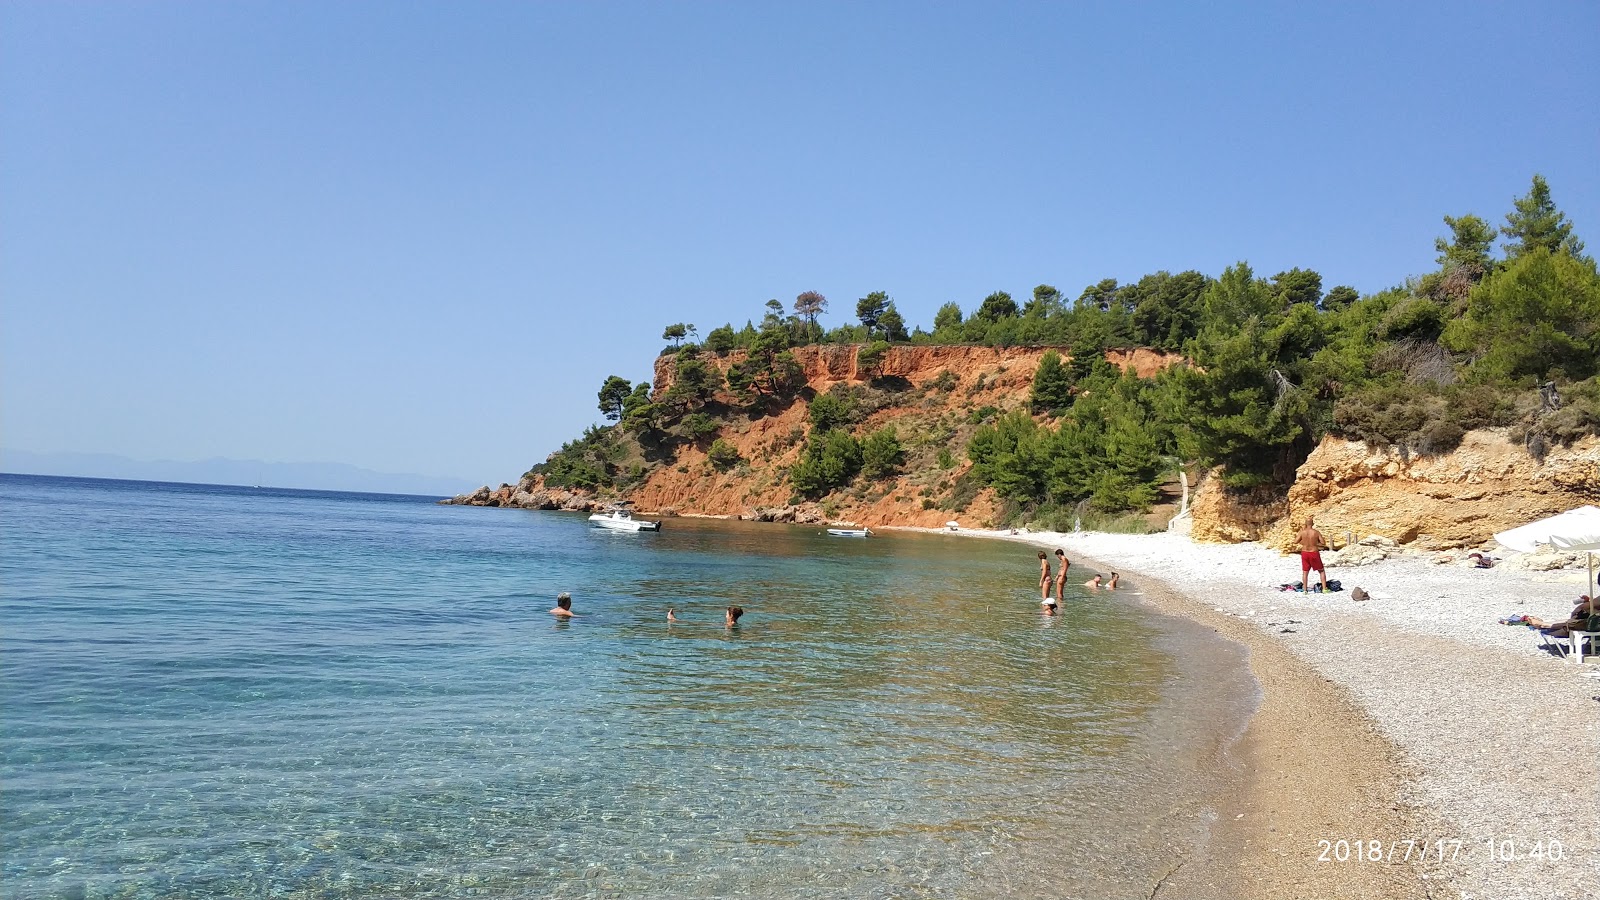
(1439, 850)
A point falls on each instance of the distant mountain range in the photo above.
(310, 476)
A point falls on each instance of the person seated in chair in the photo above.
(1578, 621)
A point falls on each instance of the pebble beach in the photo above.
(1413, 719)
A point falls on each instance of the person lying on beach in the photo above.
(1093, 584)
(1578, 621)
(1112, 584)
(1481, 561)
(564, 606)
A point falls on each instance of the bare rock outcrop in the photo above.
(1457, 499)
(529, 493)
(1454, 500)
(1222, 516)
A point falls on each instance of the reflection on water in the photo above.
(218, 694)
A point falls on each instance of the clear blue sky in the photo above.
(417, 237)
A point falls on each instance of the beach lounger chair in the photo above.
(1584, 643)
(1574, 646)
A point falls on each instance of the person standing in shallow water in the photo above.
(1045, 580)
(1061, 576)
(1311, 544)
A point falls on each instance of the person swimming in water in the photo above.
(563, 608)
(1112, 584)
(729, 618)
(1093, 584)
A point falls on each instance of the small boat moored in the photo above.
(849, 532)
(620, 518)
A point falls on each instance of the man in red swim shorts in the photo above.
(1311, 545)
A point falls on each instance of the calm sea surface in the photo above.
(232, 692)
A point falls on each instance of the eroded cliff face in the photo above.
(1226, 517)
(927, 418)
(1458, 499)
(1002, 367)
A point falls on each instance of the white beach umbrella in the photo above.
(1575, 529)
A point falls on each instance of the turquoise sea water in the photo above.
(227, 692)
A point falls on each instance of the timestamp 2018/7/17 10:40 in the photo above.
(1442, 850)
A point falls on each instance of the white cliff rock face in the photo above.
(1458, 499)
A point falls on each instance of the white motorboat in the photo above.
(620, 518)
(849, 532)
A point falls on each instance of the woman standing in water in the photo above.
(1044, 577)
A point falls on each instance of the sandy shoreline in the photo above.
(1412, 717)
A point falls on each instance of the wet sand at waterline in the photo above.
(1314, 769)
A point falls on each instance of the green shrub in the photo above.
(871, 356)
(1579, 415)
(962, 493)
(697, 425)
(881, 453)
(1421, 419)
(835, 409)
(723, 455)
(584, 463)
(828, 462)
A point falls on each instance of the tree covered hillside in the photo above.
(1492, 338)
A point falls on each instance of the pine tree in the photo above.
(1052, 384)
(1536, 224)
